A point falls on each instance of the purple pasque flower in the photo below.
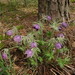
(36, 26)
(64, 24)
(59, 28)
(61, 35)
(48, 18)
(4, 56)
(33, 44)
(58, 45)
(9, 32)
(17, 38)
(29, 53)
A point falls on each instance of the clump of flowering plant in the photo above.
(39, 49)
(6, 63)
(63, 24)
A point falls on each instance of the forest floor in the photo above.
(26, 17)
(22, 16)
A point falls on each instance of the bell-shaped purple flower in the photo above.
(33, 44)
(61, 35)
(59, 28)
(17, 38)
(64, 24)
(36, 26)
(48, 18)
(9, 32)
(58, 45)
(4, 56)
(29, 53)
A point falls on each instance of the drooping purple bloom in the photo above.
(58, 45)
(9, 32)
(4, 56)
(29, 53)
(17, 38)
(48, 18)
(64, 24)
(59, 28)
(33, 44)
(36, 26)
(61, 35)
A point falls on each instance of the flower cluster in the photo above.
(39, 44)
(29, 52)
(16, 38)
(63, 24)
(59, 45)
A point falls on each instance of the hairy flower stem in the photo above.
(11, 65)
(42, 34)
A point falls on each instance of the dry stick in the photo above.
(53, 71)
(59, 70)
(69, 67)
(66, 71)
(34, 72)
(19, 71)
